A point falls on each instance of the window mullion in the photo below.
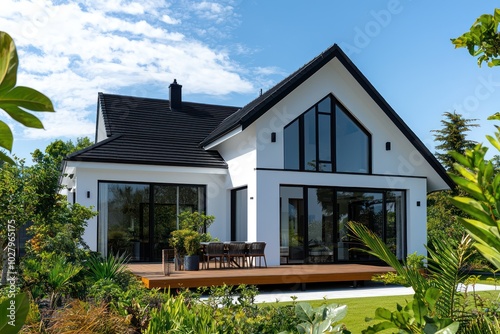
(316, 133)
(301, 144)
(333, 135)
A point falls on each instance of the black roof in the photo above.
(146, 131)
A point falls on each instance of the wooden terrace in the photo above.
(152, 275)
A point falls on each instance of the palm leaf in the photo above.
(445, 265)
(379, 249)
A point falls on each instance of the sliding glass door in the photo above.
(137, 219)
(314, 222)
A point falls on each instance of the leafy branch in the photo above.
(15, 100)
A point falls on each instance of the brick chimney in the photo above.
(175, 95)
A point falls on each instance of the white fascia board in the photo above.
(146, 168)
(223, 138)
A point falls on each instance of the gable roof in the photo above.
(253, 110)
(146, 131)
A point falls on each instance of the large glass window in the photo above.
(310, 162)
(292, 225)
(314, 222)
(292, 157)
(352, 144)
(327, 138)
(320, 225)
(137, 219)
(239, 213)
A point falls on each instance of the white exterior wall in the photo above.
(88, 176)
(100, 127)
(239, 152)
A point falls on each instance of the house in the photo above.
(290, 168)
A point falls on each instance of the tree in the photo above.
(14, 100)
(31, 194)
(453, 137)
(441, 214)
(483, 39)
(17, 199)
(476, 176)
(52, 213)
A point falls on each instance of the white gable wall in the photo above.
(405, 167)
(100, 127)
(89, 174)
(333, 78)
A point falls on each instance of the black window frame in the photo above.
(333, 138)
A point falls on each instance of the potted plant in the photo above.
(192, 246)
(186, 243)
(193, 228)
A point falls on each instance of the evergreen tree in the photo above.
(453, 137)
(441, 214)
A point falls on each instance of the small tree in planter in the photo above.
(194, 225)
(192, 246)
(198, 222)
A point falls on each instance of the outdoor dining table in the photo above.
(231, 258)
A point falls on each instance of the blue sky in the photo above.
(225, 51)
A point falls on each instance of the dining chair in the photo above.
(214, 250)
(256, 250)
(236, 253)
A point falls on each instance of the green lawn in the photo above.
(360, 308)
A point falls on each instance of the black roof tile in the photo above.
(146, 131)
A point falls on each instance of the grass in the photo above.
(360, 308)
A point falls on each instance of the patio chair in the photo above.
(256, 250)
(214, 250)
(236, 252)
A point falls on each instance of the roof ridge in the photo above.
(101, 94)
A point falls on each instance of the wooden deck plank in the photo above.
(153, 277)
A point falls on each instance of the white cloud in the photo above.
(70, 50)
(170, 20)
(213, 11)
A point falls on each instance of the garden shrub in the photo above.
(80, 317)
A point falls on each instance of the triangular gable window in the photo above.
(311, 145)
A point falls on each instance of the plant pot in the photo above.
(191, 262)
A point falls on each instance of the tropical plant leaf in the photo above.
(107, 268)
(9, 62)
(382, 326)
(445, 265)
(15, 99)
(378, 248)
(304, 312)
(450, 329)
(470, 187)
(383, 313)
(14, 312)
(335, 312)
(6, 137)
(492, 255)
(473, 208)
(4, 157)
(27, 98)
(481, 232)
(22, 116)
